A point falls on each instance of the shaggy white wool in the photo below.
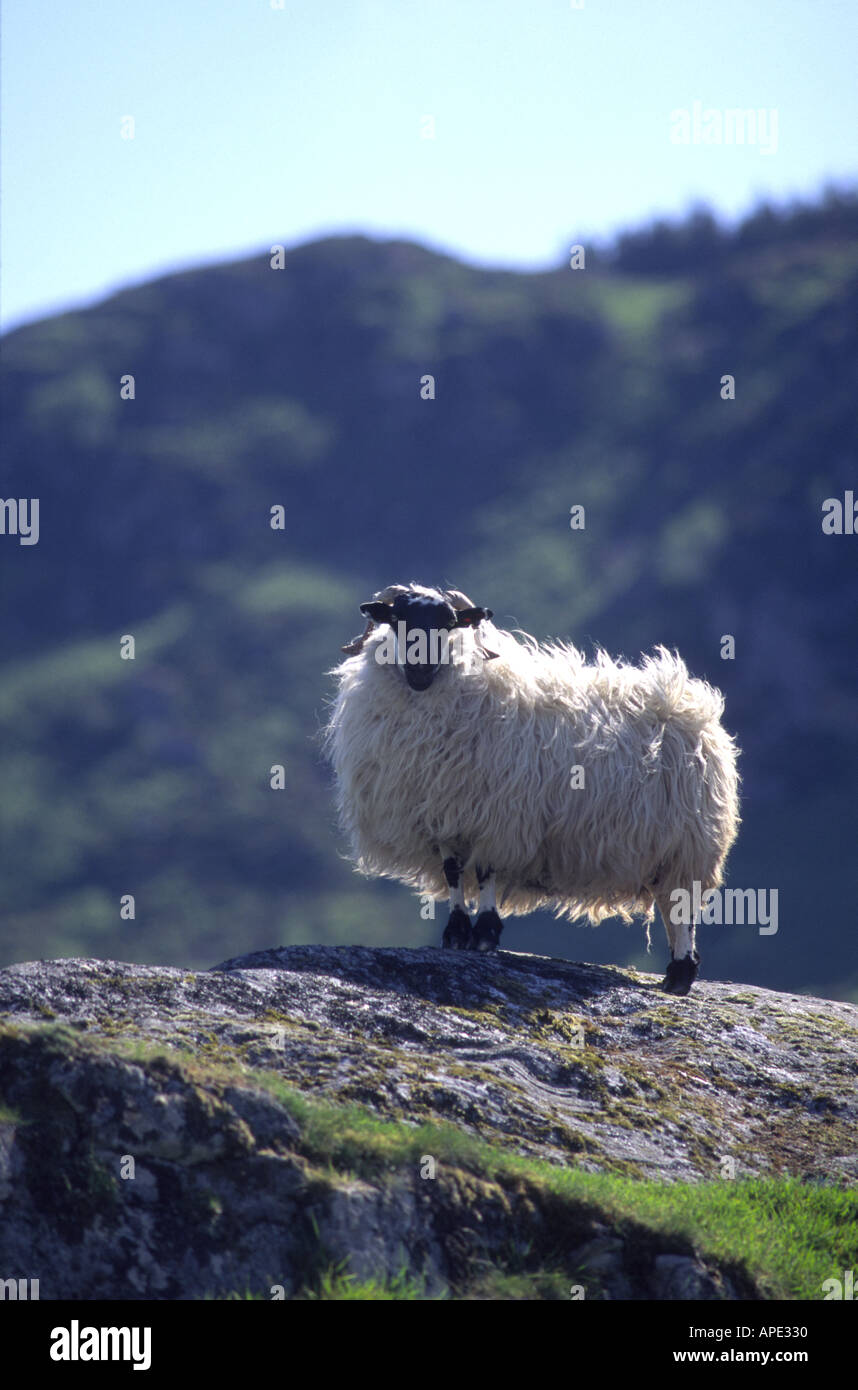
(482, 762)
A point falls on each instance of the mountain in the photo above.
(300, 387)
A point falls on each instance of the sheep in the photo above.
(466, 757)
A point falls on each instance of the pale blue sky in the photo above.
(257, 124)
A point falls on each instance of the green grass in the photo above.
(788, 1235)
(337, 1286)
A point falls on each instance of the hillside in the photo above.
(343, 1122)
(301, 387)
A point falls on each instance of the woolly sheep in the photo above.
(465, 755)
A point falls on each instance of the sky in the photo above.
(263, 122)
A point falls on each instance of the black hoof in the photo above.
(486, 932)
(681, 974)
(457, 933)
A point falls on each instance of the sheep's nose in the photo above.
(419, 677)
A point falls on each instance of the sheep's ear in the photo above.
(469, 617)
(379, 612)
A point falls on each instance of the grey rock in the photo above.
(680, 1276)
(198, 1077)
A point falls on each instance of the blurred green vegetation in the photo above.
(301, 388)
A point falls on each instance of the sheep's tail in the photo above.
(674, 695)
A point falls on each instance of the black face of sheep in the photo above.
(420, 630)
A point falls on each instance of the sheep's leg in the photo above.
(684, 958)
(457, 933)
(488, 926)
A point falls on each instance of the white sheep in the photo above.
(465, 755)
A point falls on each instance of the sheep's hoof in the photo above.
(486, 931)
(457, 933)
(681, 974)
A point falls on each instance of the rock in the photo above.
(308, 1113)
(680, 1276)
